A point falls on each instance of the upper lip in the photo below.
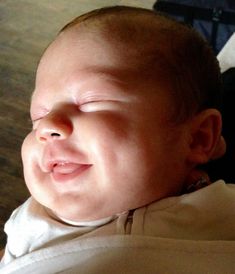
(48, 166)
(58, 156)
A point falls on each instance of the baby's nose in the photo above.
(54, 126)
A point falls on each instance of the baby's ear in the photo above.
(205, 137)
(220, 149)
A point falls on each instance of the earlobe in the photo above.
(205, 142)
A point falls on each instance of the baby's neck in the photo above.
(95, 223)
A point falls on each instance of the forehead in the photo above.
(79, 48)
(96, 42)
(91, 57)
(76, 52)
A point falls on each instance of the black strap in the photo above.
(216, 18)
(190, 13)
(225, 17)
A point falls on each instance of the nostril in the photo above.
(47, 137)
(42, 139)
(54, 134)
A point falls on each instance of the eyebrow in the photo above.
(120, 76)
(113, 74)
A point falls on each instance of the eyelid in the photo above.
(35, 120)
(97, 96)
(90, 102)
(89, 99)
(38, 114)
(95, 105)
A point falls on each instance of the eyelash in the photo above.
(35, 120)
(80, 106)
(38, 115)
(88, 101)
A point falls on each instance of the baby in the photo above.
(125, 108)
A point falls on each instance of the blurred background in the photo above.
(26, 28)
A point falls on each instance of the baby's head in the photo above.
(124, 108)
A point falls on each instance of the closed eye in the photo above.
(35, 122)
(97, 105)
(37, 114)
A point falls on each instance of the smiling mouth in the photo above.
(63, 172)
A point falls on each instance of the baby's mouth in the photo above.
(65, 171)
(65, 168)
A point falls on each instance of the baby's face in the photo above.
(100, 143)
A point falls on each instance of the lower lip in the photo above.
(63, 178)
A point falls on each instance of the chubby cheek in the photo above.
(29, 154)
(104, 131)
(27, 148)
(118, 147)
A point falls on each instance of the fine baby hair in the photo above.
(173, 53)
